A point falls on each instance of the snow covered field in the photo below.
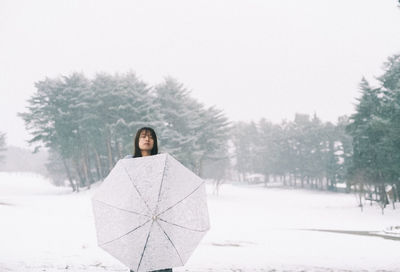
(44, 228)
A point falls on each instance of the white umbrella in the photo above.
(150, 212)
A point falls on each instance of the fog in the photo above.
(252, 59)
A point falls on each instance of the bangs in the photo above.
(147, 131)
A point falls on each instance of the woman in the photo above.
(146, 145)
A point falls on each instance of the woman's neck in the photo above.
(145, 153)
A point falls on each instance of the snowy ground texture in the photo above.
(44, 228)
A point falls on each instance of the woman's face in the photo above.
(146, 141)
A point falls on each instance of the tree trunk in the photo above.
(81, 178)
(85, 171)
(293, 180)
(384, 197)
(89, 168)
(119, 148)
(266, 180)
(71, 182)
(110, 156)
(392, 195)
(360, 194)
(98, 165)
(348, 186)
(200, 166)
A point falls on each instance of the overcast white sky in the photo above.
(253, 59)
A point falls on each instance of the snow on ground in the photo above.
(45, 228)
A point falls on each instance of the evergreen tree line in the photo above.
(305, 152)
(88, 124)
(362, 151)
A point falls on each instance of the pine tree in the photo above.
(244, 138)
(54, 118)
(390, 82)
(366, 127)
(265, 162)
(375, 132)
(182, 123)
(212, 142)
(330, 148)
(344, 151)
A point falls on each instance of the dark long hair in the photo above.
(137, 151)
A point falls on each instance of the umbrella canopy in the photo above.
(150, 212)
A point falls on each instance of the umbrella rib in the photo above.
(138, 191)
(121, 208)
(145, 245)
(162, 181)
(126, 233)
(197, 230)
(181, 199)
(180, 258)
